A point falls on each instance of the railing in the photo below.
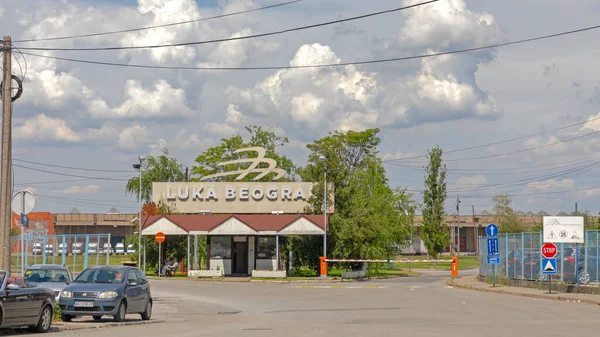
(323, 263)
(521, 258)
(75, 251)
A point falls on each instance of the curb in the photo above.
(61, 327)
(538, 296)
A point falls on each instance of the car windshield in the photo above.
(103, 275)
(46, 275)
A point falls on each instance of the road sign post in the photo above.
(549, 252)
(493, 258)
(160, 238)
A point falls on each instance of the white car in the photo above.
(107, 249)
(62, 248)
(77, 248)
(130, 249)
(92, 248)
(120, 249)
(49, 250)
(37, 249)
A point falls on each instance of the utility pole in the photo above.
(458, 227)
(5, 181)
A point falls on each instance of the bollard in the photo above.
(454, 266)
(323, 266)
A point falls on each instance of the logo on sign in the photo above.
(253, 168)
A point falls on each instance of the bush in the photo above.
(56, 316)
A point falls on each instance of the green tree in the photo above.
(434, 231)
(155, 169)
(373, 225)
(259, 137)
(507, 220)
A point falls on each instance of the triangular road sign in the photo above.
(574, 236)
(551, 235)
(549, 267)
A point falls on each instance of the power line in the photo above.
(194, 43)
(82, 203)
(343, 64)
(500, 142)
(57, 181)
(71, 167)
(526, 149)
(69, 175)
(159, 26)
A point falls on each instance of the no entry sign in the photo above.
(549, 250)
(159, 237)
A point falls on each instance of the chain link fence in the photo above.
(75, 251)
(521, 258)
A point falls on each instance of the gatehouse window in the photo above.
(220, 247)
(265, 248)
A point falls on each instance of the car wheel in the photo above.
(584, 278)
(65, 318)
(146, 315)
(44, 322)
(120, 316)
(97, 318)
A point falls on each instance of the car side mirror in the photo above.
(13, 286)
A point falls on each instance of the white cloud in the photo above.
(88, 189)
(471, 181)
(44, 128)
(1, 12)
(158, 102)
(133, 136)
(549, 185)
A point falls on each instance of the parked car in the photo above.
(571, 273)
(52, 276)
(37, 249)
(107, 290)
(24, 306)
(120, 249)
(49, 250)
(62, 248)
(107, 248)
(92, 248)
(130, 249)
(77, 248)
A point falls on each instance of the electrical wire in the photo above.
(342, 64)
(58, 181)
(278, 32)
(71, 167)
(501, 141)
(69, 175)
(81, 203)
(158, 26)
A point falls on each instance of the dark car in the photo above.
(25, 306)
(580, 273)
(52, 276)
(107, 290)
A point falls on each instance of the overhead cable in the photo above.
(158, 26)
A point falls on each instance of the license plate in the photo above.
(84, 304)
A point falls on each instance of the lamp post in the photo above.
(139, 168)
(324, 159)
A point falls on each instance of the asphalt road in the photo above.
(419, 306)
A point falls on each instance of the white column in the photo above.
(277, 252)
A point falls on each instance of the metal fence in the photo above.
(75, 251)
(521, 258)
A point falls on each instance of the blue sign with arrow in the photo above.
(492, 245)
(493, 259)
(491, 230)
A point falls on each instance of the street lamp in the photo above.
(139, 168)
(324, 159)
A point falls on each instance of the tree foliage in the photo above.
(506, 218)
(434, 231)
(259, 137)
(155, 169)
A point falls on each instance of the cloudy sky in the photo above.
(102, 118)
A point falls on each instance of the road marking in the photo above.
(341, 287)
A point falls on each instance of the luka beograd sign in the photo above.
(239, 197)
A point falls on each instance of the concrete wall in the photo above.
(266, 264)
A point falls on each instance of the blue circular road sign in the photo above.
(491, 230)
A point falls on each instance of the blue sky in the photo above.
(97, 117)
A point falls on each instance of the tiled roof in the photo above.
(258, 222)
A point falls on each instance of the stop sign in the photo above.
(549, 250)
